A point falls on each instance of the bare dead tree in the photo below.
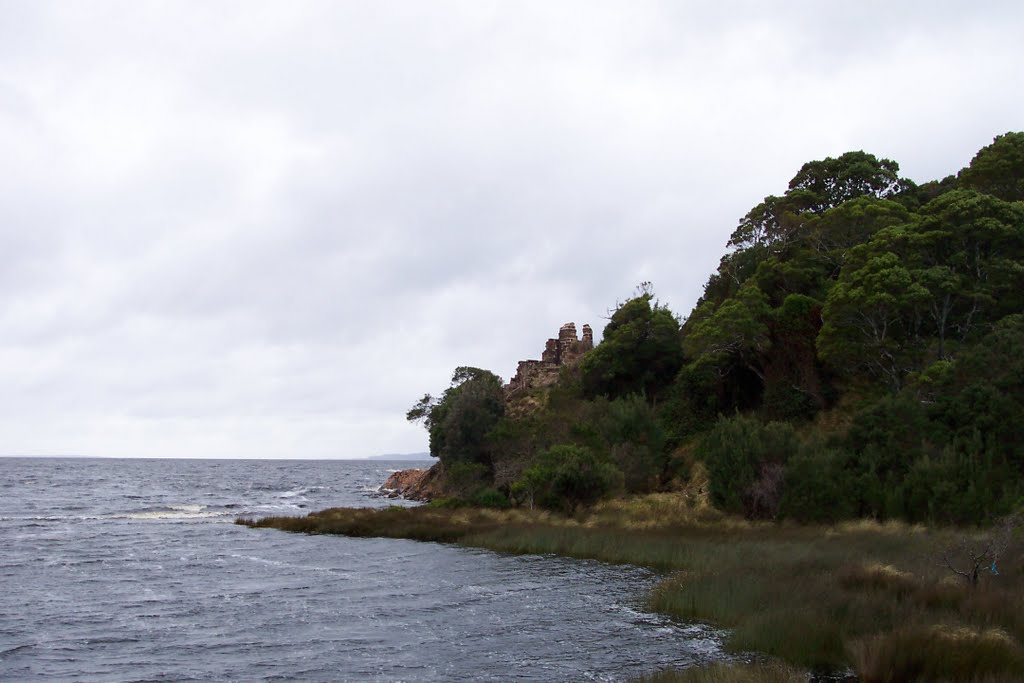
(762, 498)
(969, 556)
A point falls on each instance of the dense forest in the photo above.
(858, 353)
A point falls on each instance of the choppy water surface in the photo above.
(131, 570)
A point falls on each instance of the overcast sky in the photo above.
(254, 229)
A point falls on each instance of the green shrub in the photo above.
(565, 477)
(463, 478)
(629, 431)
(490, 498)
(816, 488)
(785, 402)
(744, 458)
(692, 401)
(448, 503)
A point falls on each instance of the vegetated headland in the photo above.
(826, 457)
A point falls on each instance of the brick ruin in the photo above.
(566, 349)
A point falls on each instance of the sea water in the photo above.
(132, 570)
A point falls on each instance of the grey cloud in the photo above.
(264, 229)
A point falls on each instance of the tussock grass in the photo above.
(421, 523)
(858, 594)
(938, 653)
(874, 576)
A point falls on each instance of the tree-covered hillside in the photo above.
(858, 352)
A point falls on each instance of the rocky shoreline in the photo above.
(413, 484)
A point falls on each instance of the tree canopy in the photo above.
(640, 352)
(856, 353)
(998, 169)
(461, 419)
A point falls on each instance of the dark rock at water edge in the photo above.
(413, 484)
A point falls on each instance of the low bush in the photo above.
(565, 477)
(448, 503)
(745, 460)
(490, 498)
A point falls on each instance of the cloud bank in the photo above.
(247, 229)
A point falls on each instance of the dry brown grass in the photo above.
(938, 653)
(875, 576)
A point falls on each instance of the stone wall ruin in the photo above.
(567, 348)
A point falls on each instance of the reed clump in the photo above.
(938, 653)
(874, 597)
(421, 524)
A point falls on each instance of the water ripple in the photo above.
(130, 571)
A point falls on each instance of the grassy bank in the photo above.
(877, 598)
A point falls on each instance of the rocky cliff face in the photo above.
(567, 348)
(414, 484)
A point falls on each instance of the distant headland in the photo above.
(400, 456)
